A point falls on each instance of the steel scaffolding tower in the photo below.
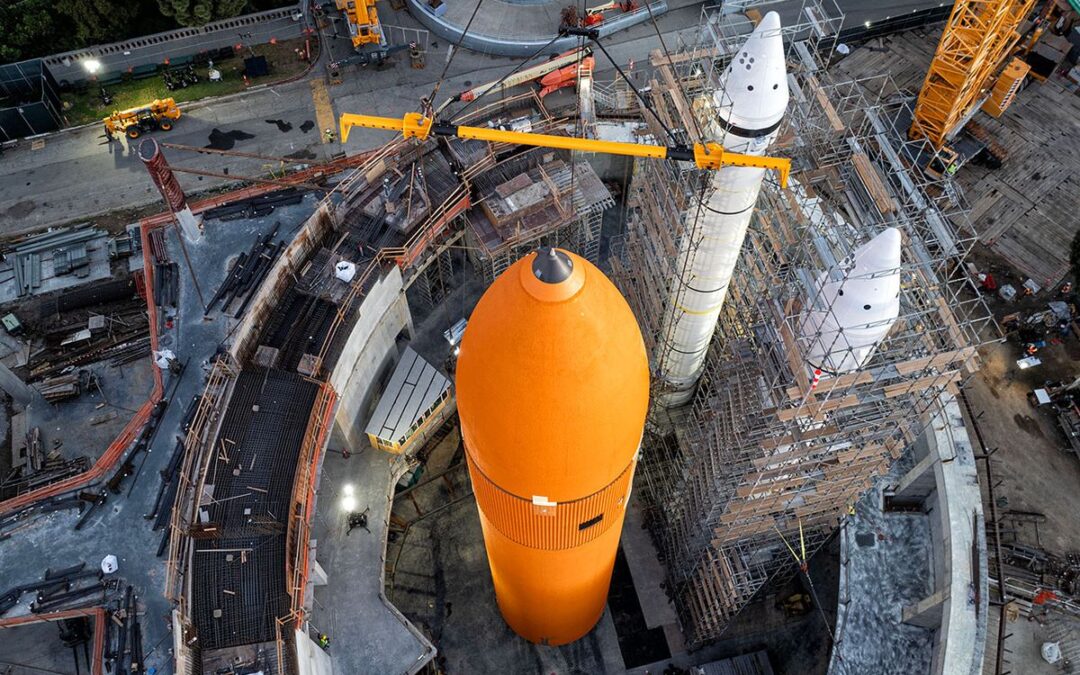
(771, 444)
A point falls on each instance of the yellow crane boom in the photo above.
(704, 155)
(979, 36)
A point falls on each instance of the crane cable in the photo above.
(804, 567)
(430, 101)
(458, 114)
(678, 80)
(594, 36)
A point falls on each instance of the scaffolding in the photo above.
(771, 446)
(535, 198)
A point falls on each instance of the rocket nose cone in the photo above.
(770, 23)
(753, 90)
(880, 253)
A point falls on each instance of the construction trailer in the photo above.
(416, 402)
(771, 448)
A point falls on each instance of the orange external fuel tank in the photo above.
(552, 390)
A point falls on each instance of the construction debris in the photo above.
(257, 207)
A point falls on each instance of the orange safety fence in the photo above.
(116, 449)
(98, 614)
(324, 428)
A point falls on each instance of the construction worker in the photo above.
(329, 135)
(324, 641)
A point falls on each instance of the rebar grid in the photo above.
(768, 446)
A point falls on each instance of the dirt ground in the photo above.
(1039, 472)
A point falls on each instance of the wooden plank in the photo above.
(656, 59)
(871, 180)
(835, 122)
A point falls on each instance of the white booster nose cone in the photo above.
(753, 94)
(856, 307)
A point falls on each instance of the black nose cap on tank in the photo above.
(552, 266)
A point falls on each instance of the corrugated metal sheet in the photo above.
(552, 528)
(414, 388)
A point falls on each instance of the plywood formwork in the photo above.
(766, 447)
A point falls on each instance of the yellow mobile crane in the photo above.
(704, 155)
(363, 20)
(978, 38)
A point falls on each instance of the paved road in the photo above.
(73, 176)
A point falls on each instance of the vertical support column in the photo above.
(165, 180)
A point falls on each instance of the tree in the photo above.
(98, 20)
(199, 12)
(30, 29)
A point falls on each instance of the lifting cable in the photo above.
(804, 567)
(678, 80)
(594, 35)
(458, 114)
(430, 101)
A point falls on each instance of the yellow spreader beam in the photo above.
(704, 155)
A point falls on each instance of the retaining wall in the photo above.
(369, 353)
(118, 57)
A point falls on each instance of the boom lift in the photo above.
(595, 15)
(561, 62)
(704, 155)
(159, 114)
(979, 36)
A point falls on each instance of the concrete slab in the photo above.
(647, 571)
(443, 584)
(123, 389)
(366, 634)
(36, 649)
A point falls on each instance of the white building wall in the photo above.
(369, 352)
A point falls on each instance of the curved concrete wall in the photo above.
(490, 44)
(369, 352)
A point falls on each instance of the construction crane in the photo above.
(367, 35)
(978, 37)
(159, 114)
(703, 155)
(363, 20)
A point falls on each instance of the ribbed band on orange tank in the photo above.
(565, 525)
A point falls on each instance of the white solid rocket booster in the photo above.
(747, 110)
(855, 307)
